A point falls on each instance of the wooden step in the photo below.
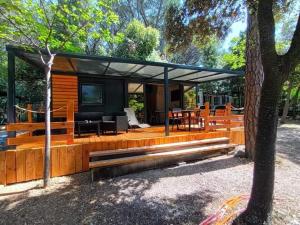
(162, 147)
(203, 150)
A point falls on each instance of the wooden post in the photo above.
(206, 116)
(70, 118)
(166, 105)
(11, 91)
(228, 113)
(29, 116)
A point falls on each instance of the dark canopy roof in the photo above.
(103, 66)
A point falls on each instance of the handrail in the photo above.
(32, 126)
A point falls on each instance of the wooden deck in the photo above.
(26, 162)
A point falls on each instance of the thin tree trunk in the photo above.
(253, 82)
(47, 127)
(295, 101)
(47, 157)
(287, 103)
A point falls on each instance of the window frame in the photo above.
(91, 84)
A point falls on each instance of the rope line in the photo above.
(41, 112)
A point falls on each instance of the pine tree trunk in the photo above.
(287, 103)
(259, 208)
(253, 82)
(47, 126)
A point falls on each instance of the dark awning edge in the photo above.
(105, 66)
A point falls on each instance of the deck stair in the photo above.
(123, 161)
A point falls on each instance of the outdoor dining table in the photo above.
(187, 111)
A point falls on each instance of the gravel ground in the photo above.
(184, 194)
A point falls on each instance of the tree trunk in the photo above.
(47, 126)
(253, 82)
(47, 157)
(295, 101)
(287, 103)
(260, 204)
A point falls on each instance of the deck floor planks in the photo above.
(77, 158)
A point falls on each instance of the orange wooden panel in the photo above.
(11, 174)
(132, 143)
(23, 140)
(105, 145)
(64, 88)
(55, 171)
(66, 160)
(21, 165)
(2, 168)
(78, 158)
(85, 157)
(39, 159)
(38, 126)
(112, 145)
(30, 164)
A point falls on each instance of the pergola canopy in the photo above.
(113, 67)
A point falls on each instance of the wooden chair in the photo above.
(174, 119)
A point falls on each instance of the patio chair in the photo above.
(114, 124)
(132, 120)
(174, 120)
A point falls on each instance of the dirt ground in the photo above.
(184, 194)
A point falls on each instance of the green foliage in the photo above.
(209, 52)
(189, 99)
(3, 79)
(200, 20)
(62, 26)
(236, 58)
(140, 41)
(135, 105)
(136, 102)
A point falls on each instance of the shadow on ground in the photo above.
(115, 201)
(288, 142)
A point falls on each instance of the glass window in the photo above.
(92, 94)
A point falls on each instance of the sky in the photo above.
(235, 30)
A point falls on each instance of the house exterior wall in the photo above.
(64, 88)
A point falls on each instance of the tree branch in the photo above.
(51, 25)
(18, 28)
(158, 13)
(292, 57)
(73, 34)
(142, 11)
(266, 27)
(44, 9)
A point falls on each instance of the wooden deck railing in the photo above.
(29, 127)
(228, 120)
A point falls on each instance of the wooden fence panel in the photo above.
(11, 173)
(21, 165)
(55, 162)
(39, 159)
(78, 158)
(30, 164)
(2, 168)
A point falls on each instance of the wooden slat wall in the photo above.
(64, 88)
(27, 164)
